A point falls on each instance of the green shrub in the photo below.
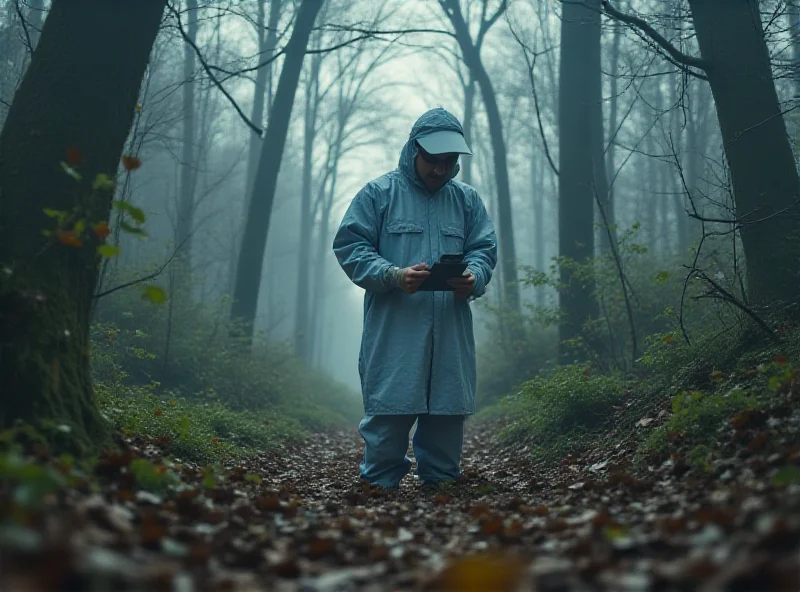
(192, 431)
(561, 409)
(191, 354)
(506, 360)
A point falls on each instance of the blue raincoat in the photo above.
(417, 350)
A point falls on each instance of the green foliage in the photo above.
(696, 420)
(565, 405)
(199, 394)
(153, 477)
(786, 476)
(519, 346)
(198, 432)
(189, 351)
(30, 481)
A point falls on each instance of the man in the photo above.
(417, 359)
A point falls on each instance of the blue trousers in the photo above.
(437, 444)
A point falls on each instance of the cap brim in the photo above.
(444, 142)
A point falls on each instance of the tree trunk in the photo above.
(266, 47)
(766, 187)
(697, 133)
(91, 56)
(649, 193)
(35, 20)
(301, 325)
(579, 90)
(607, 201)
(469, 121)
(254, 241)
(537, 194)
(508, 255)
(317, 317)
(184, 226)
(794, 31)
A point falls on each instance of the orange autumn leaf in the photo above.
(73, 157)
(70, 238)
(482, 572)
(131, 163)
(101, 229)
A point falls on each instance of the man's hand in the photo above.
(411, 278)
(463, 286)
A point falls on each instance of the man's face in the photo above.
(435, 169)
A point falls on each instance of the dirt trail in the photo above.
(298, 519)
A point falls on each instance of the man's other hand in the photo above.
(463, 286)
(412, 277)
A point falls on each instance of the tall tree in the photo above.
(267, 41)
(469, 121)
(608, 236)
(301, 327)
(259, 210)
(35, 21)
(581, 166)
(188, 164)
(697, 138)
(470, 52)
(47, 287)
(766, 188)
(794, 32)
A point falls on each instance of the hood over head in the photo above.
(435, 120)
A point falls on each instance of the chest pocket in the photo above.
(452, 240)
(402, 243)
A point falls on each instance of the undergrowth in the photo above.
(683, 396)
(184, 382)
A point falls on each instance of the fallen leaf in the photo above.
(481, 573)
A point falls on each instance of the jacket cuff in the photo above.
(393, 276)
(480, 285)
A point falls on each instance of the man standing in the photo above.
(417, 358)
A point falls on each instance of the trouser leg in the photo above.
(437, 447)
(385, 445)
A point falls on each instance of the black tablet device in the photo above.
(447, 268)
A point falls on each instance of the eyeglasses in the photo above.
(448, 161)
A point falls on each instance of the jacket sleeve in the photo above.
(355, 245)
(480, 246)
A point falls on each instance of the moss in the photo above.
(45, 368)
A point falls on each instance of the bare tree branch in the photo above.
(644, 26)
(612, 243)
(150, 276)
(721, 293)
(24, 23)
(207, 68)
(487, 24)
(531, 65)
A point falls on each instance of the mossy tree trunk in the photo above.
(75, 104)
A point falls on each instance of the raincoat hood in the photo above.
(435, 120)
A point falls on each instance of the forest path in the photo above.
(299, 519)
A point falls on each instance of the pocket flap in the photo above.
(453, 231)
(401, 227)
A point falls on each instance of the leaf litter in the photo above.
(297, 518)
